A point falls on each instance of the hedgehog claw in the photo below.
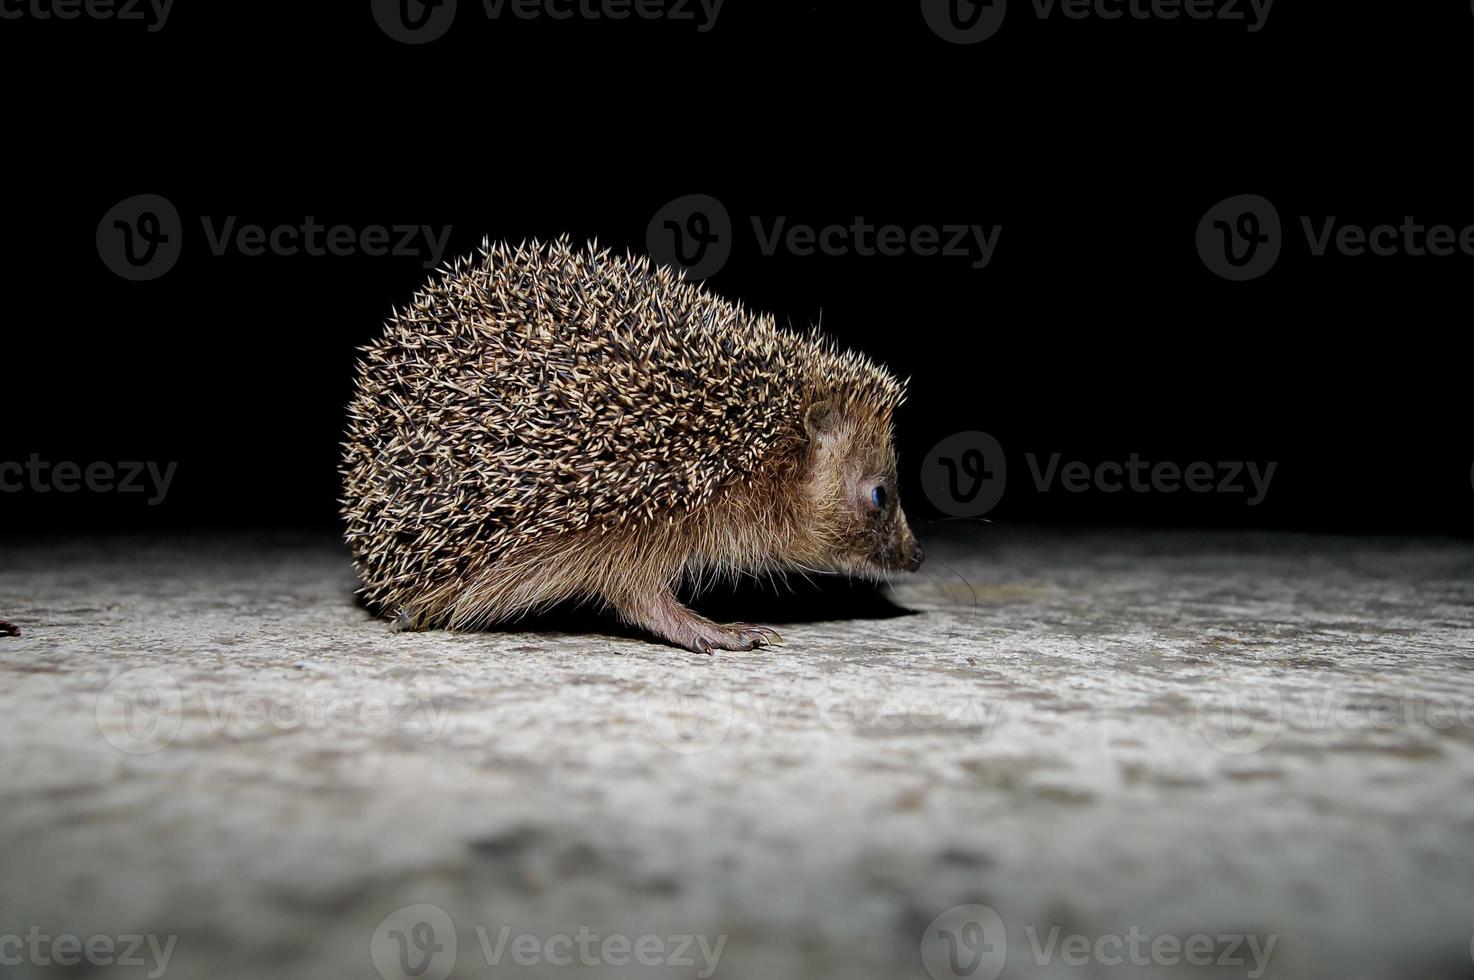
(745, 636)
(770, 635)
(708, 637)
(759, 636)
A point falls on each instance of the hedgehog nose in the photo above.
(913, 561)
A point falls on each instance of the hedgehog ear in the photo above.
(821, 421)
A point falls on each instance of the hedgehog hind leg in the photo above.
(663, 615)
(408, 622)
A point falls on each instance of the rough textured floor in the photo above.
(210, 740)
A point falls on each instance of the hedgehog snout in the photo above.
(905, 553)
(913, 561)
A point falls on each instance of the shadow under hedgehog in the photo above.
(545, 425)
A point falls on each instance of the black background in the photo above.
(1095, 332)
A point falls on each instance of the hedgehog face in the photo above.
(852, 484)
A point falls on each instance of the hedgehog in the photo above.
(548, 425)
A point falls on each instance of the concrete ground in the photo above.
(1049, 755)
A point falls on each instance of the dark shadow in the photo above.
(786, 599)
(796, 599)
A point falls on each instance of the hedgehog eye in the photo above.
(877, 496)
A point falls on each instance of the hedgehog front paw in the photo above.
(737, 636)
(662, 615)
